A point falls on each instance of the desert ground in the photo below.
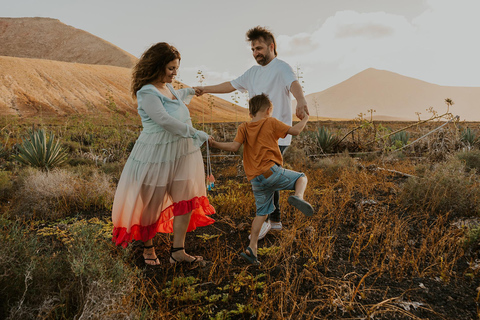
(395, 233)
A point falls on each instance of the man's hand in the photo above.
(302, 109)
(297, 91)
(199, 91)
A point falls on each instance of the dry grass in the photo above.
(443, 188)
(381, 245)
(58, 193)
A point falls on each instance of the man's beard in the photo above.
(264, 59)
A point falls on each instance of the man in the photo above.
(276, 79)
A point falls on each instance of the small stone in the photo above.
(310, 230)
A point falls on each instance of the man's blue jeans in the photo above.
(275, 215)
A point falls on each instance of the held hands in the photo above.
(211, 141)
(203, 136)
(199, 91)
(302, 109)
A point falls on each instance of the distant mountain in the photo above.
(30, 87)
(49, 68)
(45, 38)
(393, 96)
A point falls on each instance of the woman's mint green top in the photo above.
(160, 113)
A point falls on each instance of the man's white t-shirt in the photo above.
(274, 80)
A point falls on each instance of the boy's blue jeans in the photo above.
(264, 188)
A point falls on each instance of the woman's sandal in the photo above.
(196, 261)
(156, 261)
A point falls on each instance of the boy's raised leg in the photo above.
(300, 186)
(297, 200)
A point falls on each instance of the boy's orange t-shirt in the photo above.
(260, 145)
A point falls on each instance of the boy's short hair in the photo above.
(257, 103)
(266, 35)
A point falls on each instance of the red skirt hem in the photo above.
(199, 206)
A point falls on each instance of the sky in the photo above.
(325, 41)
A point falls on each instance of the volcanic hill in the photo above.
(49, 68)
(393, 97)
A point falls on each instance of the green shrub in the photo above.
(84, 139)
(445, 188)
(237, 201)
(6, 184)
(295, 156)
(3, 152)
(112, 169)
(333, 166)
(40, 151)
(472, 236)
(71, 146)
(471, 159)
(63, 270)
(80, 162)
(23, 260)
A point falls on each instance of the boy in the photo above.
(262, 161)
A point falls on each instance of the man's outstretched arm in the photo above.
(225, 87)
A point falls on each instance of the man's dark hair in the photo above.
(261, 33)
(258, 103)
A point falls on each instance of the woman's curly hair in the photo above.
(152, 65)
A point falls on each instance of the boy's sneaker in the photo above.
(266, 226)
(277, 226)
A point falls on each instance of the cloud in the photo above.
(369, 30)
(349, 37)
(298, 44)
(438, 46)
(209, 77)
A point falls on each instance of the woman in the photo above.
(162, 186)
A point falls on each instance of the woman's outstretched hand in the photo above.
(202, 136)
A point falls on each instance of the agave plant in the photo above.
(469, 137)
(325, 139)
(38, 150)
(399, 139)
